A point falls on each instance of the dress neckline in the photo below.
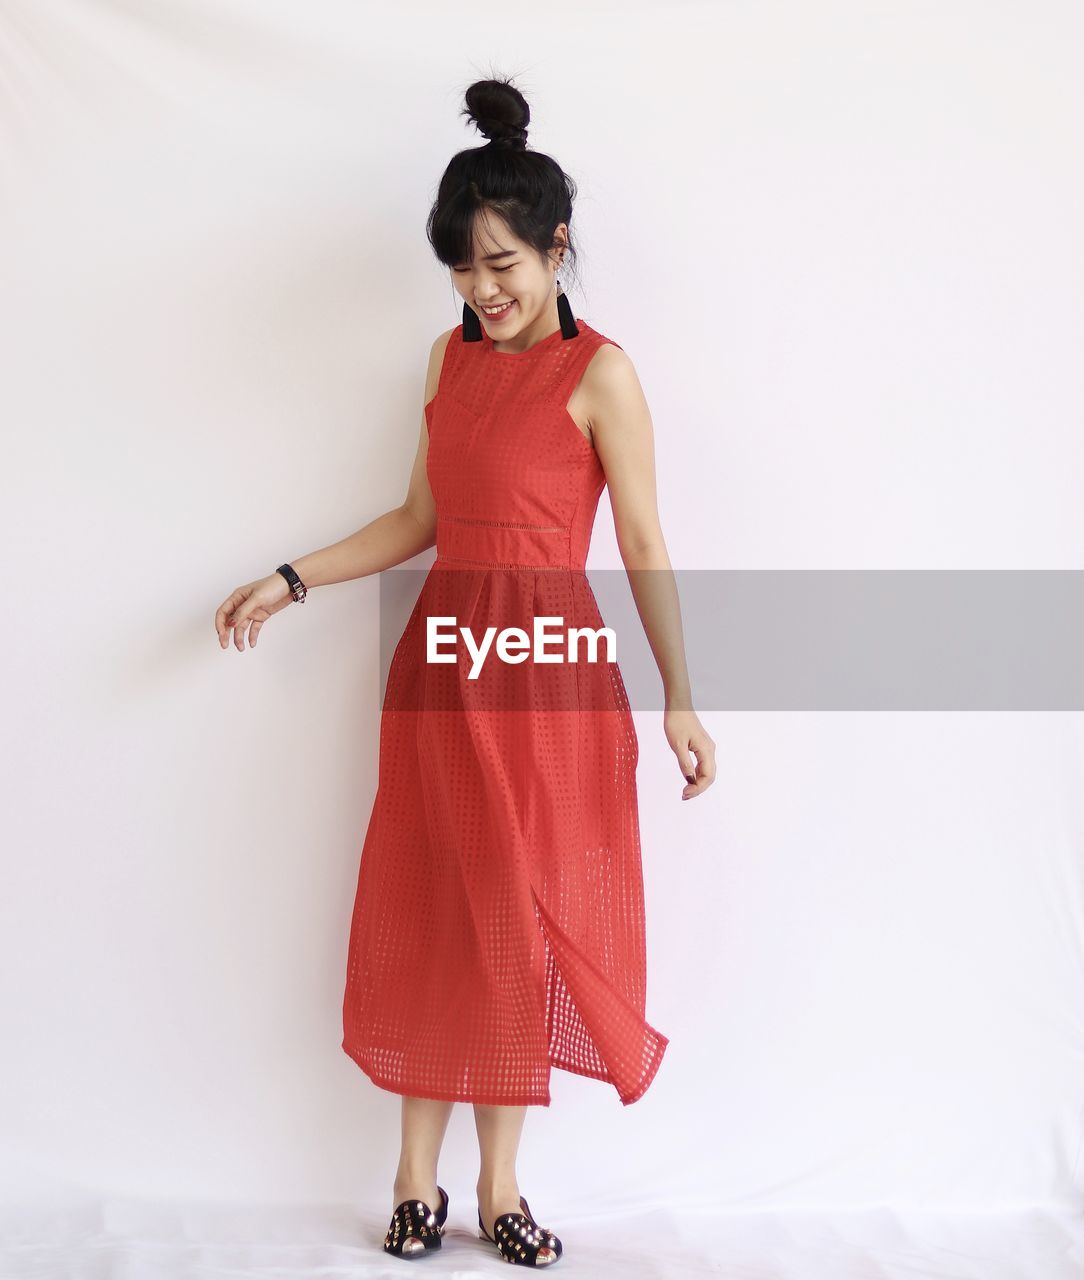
(548, 339)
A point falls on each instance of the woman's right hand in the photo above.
(249, 607)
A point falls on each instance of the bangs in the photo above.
(451, 232)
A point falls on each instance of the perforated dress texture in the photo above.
(498, 928)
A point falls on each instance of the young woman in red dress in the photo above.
(498, 928)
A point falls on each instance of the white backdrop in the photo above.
(841, 243)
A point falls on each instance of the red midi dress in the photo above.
(498, 927)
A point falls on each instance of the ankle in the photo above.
(410, 1184)
(501, 1188)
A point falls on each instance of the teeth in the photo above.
(496, 311)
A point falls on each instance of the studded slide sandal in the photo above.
(415, 1229)
(519, 1238)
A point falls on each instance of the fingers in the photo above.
(223, 613)
(238, 613)
(706, 763)
(236, 623)
(704, 774)
(241, 627)
(688, 769)
(248, 608)
(250, 624)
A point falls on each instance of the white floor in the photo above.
(120, 1240)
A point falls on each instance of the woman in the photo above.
(498, 927)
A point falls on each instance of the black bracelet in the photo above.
(297, 588)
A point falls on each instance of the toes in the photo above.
(546, 1255)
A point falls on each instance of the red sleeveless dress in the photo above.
(498, 927)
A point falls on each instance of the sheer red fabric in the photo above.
(498, 927)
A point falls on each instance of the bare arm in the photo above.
(624, 438)
(397, 534)
(386, 541)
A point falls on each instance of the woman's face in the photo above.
(507, 271)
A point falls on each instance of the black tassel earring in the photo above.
(472, 326)
(564, 310)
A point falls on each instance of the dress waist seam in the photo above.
(506, 564)
(505, 524)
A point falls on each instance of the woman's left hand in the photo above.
(688, 737)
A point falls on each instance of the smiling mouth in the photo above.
(499, 314)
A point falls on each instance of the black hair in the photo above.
(527, 188)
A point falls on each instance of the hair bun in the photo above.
(499, 112)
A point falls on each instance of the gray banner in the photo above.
(835, 640)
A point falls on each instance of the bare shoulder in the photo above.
(441, 341)
(440, 345)
(436, 361)
(609, 382)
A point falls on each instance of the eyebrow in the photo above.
(492, 257)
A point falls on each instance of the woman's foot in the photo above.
(493, 1202)
(419, 1191)
(416, 1189)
